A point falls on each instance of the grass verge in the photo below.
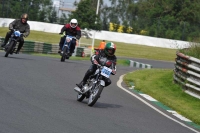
(58, 56)
(122, 62)
(158, 83)
(123, 49)
(193, 51)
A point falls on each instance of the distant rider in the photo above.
(102, 45)
(22, 26)
(108, 53)
(71, 29)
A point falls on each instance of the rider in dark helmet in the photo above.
(71, 29)
(107, 53)
(21, 25)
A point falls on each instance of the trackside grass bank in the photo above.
(123, 49)
(159, 84)
(119, 61)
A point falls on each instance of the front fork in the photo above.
(68, 44)
(14, 44)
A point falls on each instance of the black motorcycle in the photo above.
(95, 84)
(65, 53)
(11, 46)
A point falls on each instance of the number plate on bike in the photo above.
(106, 72)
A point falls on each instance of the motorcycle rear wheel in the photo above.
(95, 94)
(9, 48)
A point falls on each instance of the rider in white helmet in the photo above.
(73, 23)
(71, 29)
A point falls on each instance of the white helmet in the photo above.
(75, 22)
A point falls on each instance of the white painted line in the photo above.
(182, 124)
(148, 97)
(179, 116)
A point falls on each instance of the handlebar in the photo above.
(64, 35)
(70, 36)
(98, 65)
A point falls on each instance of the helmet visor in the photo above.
(111, 51)
(24, 16)
(23, 20)
(73, 25)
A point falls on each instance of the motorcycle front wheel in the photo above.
(64, 54)
(9, 48)
(95, 94)
(80, 97)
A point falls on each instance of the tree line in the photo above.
(38, 10)
(173, 19)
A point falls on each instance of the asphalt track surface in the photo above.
(37, 96)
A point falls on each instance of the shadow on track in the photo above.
(102, 105)
(106, 105)
(18, 58)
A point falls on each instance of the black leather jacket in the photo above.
(103, 59)
(71, 31)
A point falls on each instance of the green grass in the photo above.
(123, 49)
(123, 62)
(36, 36)
(119, 61)
(193, 51)
(159, 84)
(58, 56)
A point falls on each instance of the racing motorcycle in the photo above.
(95, 84)
(11, 46)
(65, 53)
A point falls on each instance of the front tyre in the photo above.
(9, 48)
(64, 54)
(95, 94)
(80, 97)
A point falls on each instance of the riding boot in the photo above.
(19, 47)
(70, 54)
(5, 41)
(17, 52)
(8, 35)
(59, 50)
(3, 44)
(81, 84)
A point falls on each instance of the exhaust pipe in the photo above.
(77, 89)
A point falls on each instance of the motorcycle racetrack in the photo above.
(37, 96)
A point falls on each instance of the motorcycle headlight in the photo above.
(17, 33)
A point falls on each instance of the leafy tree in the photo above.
(42, 16)
(104, 16)
(86, 15)
(121, 12)
(125, 26)
(46, 11)
(168, 17)
(52, 15)
(116, 26)
(36, 9)
(63, 19)
(174, 19)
